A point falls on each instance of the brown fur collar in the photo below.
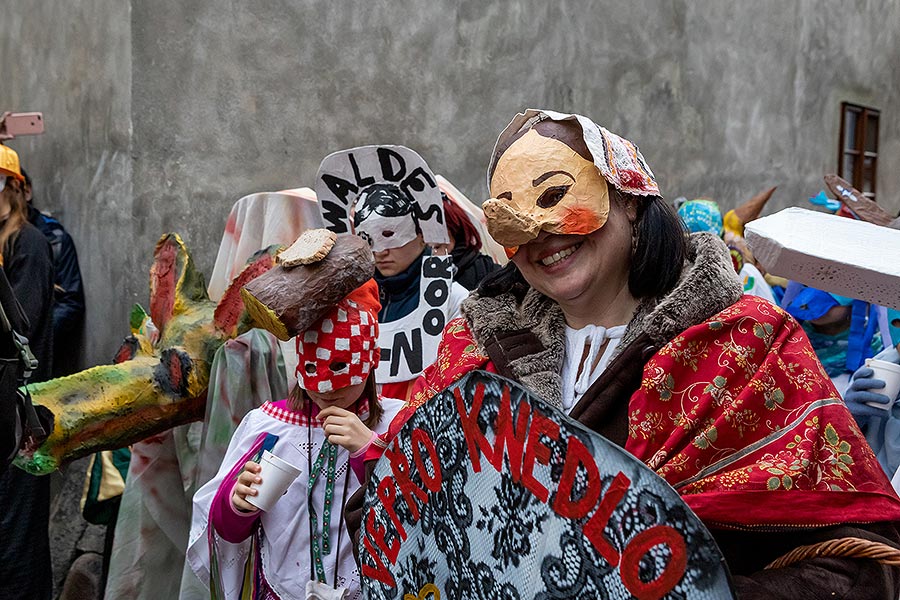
(708, 284)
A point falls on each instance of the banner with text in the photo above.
(490, 492)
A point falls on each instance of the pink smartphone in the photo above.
(25, 123)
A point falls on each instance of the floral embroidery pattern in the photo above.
(740, 403)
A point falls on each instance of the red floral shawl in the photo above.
(737, 414)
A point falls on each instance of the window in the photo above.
(858, 158)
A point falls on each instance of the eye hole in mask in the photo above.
(338, 366)
(552, 196)
(387, 233)
(310, 368)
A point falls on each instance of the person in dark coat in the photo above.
(28, 264)
(465, 247)
(68, 308)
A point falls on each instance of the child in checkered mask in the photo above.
(299, 547)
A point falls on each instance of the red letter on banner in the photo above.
(420, 439)
(387, 495)
(593, 529)
(379, 572)
(577, 454)
(378, 533)
(512, 439)
(638, 547)
(400, 470)
(474, 437)
(536, 450)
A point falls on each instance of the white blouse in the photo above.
(584, 362)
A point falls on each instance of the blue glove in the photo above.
(858, 394)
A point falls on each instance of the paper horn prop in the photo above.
(748, 211)
(161, 377)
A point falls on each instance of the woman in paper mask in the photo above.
(397, 208)
(611, 312)
(300, 548)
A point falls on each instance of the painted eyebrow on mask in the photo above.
(548, 175)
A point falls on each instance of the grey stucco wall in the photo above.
(161, 114)
(72, 61)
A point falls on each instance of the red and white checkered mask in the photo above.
(341, 348)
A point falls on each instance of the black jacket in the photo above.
(68, 309)
(471, 267)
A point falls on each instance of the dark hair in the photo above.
(459, 226)
(297, 400)
(25, 175)
(660, 247)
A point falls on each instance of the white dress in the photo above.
(285, 549)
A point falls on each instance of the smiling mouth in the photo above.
(558, 256)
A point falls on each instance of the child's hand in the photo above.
(242, 489)
(344, 428)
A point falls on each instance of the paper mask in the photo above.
(520, 218)
(540, 184)
(384, 217)
(341, 348)
(386, 194)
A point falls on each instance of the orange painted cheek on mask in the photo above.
(579, 220)
(540, 184)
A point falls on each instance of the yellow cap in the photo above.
(9, 163)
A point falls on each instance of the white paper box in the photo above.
(836, 254)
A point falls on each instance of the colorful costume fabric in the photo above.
(144, 551)
(754, 366)
(155, 512)
(738, 415)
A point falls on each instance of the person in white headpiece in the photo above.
(389, 196)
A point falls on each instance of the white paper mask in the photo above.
(377, 182)
(385, 217)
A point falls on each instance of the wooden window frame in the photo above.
(858, 148)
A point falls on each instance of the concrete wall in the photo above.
(72, 61)
(161, 117)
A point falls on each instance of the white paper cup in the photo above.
(277, 476)
(889, 373)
